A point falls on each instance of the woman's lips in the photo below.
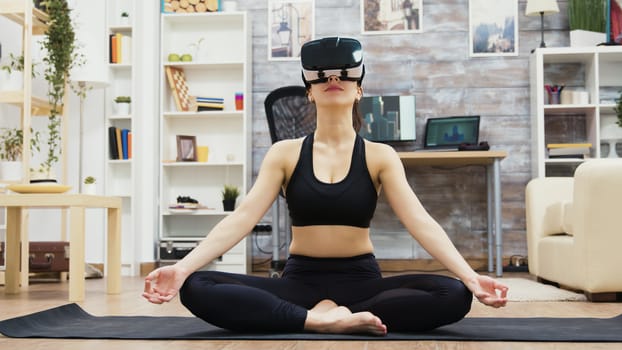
(333, 88)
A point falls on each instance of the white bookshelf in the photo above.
(596, 71)
(220, 69)
(120, 179)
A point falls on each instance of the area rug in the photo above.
(522, 289)
(70, 321)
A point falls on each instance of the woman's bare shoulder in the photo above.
(379, 151)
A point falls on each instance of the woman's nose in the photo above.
(333, 78)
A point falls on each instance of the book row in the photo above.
(120, 143)
(120, 48)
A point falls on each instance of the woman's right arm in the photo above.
(162, 284)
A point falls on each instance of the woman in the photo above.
(331, 282)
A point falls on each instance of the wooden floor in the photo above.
(41, 296)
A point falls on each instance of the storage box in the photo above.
(171, 250)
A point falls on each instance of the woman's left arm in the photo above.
(427, 231)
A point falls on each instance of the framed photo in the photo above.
(391, 16)
(493, 29)
(291, 23)
(186, 148)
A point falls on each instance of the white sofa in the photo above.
(574, 229)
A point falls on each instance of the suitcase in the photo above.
(45, 256)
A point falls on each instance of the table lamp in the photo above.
(91, 39)
(541, 8)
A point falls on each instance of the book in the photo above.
(113, 48)
(119, 143)
(129, 144)
(112, 142)
(124, 143)
(126, 49)
(568, 151)
(568, 145)
(118, 44)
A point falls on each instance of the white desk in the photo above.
(491, 160)
(16, 237)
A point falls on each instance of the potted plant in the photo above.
(11, 73)
(125, 18)
(62, 55)
(229, 195)
(587, 22)
(122, 105)
(89, 185)
(11, 149)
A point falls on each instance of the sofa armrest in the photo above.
(597, 223)
(545, 199)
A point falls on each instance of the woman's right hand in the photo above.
(162, 284)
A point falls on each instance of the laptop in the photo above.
(448, 133)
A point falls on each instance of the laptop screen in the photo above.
(450, 132)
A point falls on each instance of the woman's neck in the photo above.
(334, 124)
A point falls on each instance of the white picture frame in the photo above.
(291, 23)
(391, 16)
(501, 15)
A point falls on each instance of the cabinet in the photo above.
(120, 121)
(220, 46)
(593, 75)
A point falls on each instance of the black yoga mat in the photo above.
(70, 321)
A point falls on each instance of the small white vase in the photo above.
(11, 170)
(89, 189)
(11, 81)
(583, 38)
(122, 108)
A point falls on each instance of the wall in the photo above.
(435, 67)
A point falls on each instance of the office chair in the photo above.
(290, 115)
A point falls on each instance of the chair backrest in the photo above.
(290, 114)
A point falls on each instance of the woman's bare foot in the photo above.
(328, 317)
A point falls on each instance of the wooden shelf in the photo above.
(14, 11)
(39, 106)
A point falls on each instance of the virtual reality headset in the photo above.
(342, 57)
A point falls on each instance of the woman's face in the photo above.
(335, 92)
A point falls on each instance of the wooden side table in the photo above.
(76, 203)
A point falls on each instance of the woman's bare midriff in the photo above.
(324, 241)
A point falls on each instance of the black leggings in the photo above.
(250, 303)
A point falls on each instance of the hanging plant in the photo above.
(62, 55)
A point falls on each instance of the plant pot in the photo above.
(11, 81)
(582, 38)
(42, 176)
(228, 205)
(89, 189)
(122, 108)
(11, 170)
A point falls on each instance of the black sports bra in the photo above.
(349, 202)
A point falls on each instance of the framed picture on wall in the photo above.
(186, 148)
(493, 28)
(391, 16)
(291, 23)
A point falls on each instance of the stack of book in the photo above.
(120, 48)
(569, 150)
(210, 104)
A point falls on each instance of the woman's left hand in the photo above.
(489, 291)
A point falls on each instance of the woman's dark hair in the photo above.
(357, 119)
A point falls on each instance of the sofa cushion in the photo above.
(568, 218)
(554, 219)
